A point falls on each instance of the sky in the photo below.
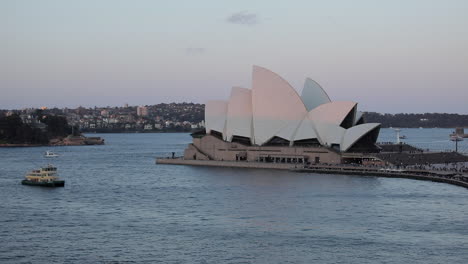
(389, 56)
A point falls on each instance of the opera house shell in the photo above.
(272, 113)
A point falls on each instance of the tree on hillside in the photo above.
(57, 126)
(12, 130)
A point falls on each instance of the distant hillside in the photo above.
(172, 117)
(417, 120)
(14, 131)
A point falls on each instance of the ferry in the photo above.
(46, 176)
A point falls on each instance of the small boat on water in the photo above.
(460, 132)
(46, 176)
(403, 137)
(50, 154)
(456, 138)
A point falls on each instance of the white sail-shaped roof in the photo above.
(329, 133)
(333, 112)
(355, 133)
(239, 114)
(305, 130)
(215, 116)
(289, 131)
(273, 109)
(358, 117)
(275, 106)
(313, 94)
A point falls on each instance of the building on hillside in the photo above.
(142, 111)
(105, 113)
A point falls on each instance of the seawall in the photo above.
(387, 174)
(415, 175)
(231, 164)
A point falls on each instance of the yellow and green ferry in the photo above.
(46, 176)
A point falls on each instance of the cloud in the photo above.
(243, 18)
(193, 51)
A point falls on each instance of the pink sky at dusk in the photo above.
(392, 56)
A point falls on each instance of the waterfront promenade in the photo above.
(451, 176)
(447, 176)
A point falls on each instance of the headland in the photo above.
(41, 129)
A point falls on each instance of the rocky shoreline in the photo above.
(67, 141)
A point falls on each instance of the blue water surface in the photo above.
(118, 206)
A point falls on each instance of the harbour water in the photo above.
(117, 206)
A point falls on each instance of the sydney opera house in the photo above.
(271, 122)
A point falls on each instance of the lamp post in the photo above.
(397, 130)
